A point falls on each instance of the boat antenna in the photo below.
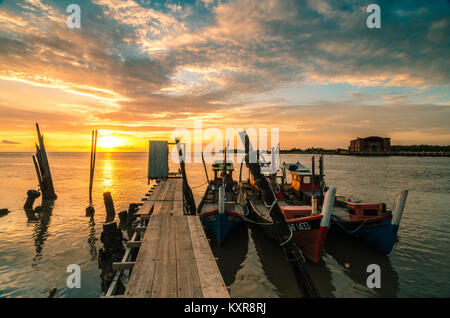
(206, 170)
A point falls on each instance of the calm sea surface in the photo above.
(35, 252)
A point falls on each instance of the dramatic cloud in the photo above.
(310, 67)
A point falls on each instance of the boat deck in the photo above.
(174, 259)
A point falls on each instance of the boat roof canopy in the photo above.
(297, 169)
(218, 165)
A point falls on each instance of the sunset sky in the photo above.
(138, 69)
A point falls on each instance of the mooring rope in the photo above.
(354, 231)
(289, 238)
(254, 222)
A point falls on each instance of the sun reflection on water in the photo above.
(108, 172)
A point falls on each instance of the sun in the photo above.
(110, 142)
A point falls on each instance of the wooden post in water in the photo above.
(42, 167)
(293, 254)
(90, 209)
(109, 204)
(93, 157)
(32, 195)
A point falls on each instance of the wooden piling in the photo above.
(92, 167)
(42, 167)
(32, 195)
(109, 204)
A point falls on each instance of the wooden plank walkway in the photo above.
(174, 259)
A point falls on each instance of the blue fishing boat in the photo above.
(369, 223)
(218, 208)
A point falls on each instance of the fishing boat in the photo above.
(370, 223)
(218, 208)
(308, 225)
(306, 184)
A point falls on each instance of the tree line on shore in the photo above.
(394, 148)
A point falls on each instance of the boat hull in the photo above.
(381, 234)
(221, 224)
(309, 235)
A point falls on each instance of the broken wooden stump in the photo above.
(132, 209)
(42, 168)
(112, 251)
(32, 195)
(109, 204)
(123, 219)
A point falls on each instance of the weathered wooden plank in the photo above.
(165, 282)
(145, 209)
(179, 190)
(157, 207)
(164, 193)
(120, 266)
(177, 208)
(187, 274)
(210, 278)
(158, 194)
(112, 286)
(140, 229)
(171, 190)
(141, 279)
(167, 207)
(134, 243)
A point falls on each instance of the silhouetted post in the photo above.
(43, 169)
(123, 219)
(32, 195)
(93, 156)
(112, 251)
(90, 211)
(130, 218)
(109, 204)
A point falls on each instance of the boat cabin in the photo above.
(296, 211)
(302, 179)
(360, 211)
(218, 167)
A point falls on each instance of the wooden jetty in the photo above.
(174, 258)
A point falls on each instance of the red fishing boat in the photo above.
(309, 225)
